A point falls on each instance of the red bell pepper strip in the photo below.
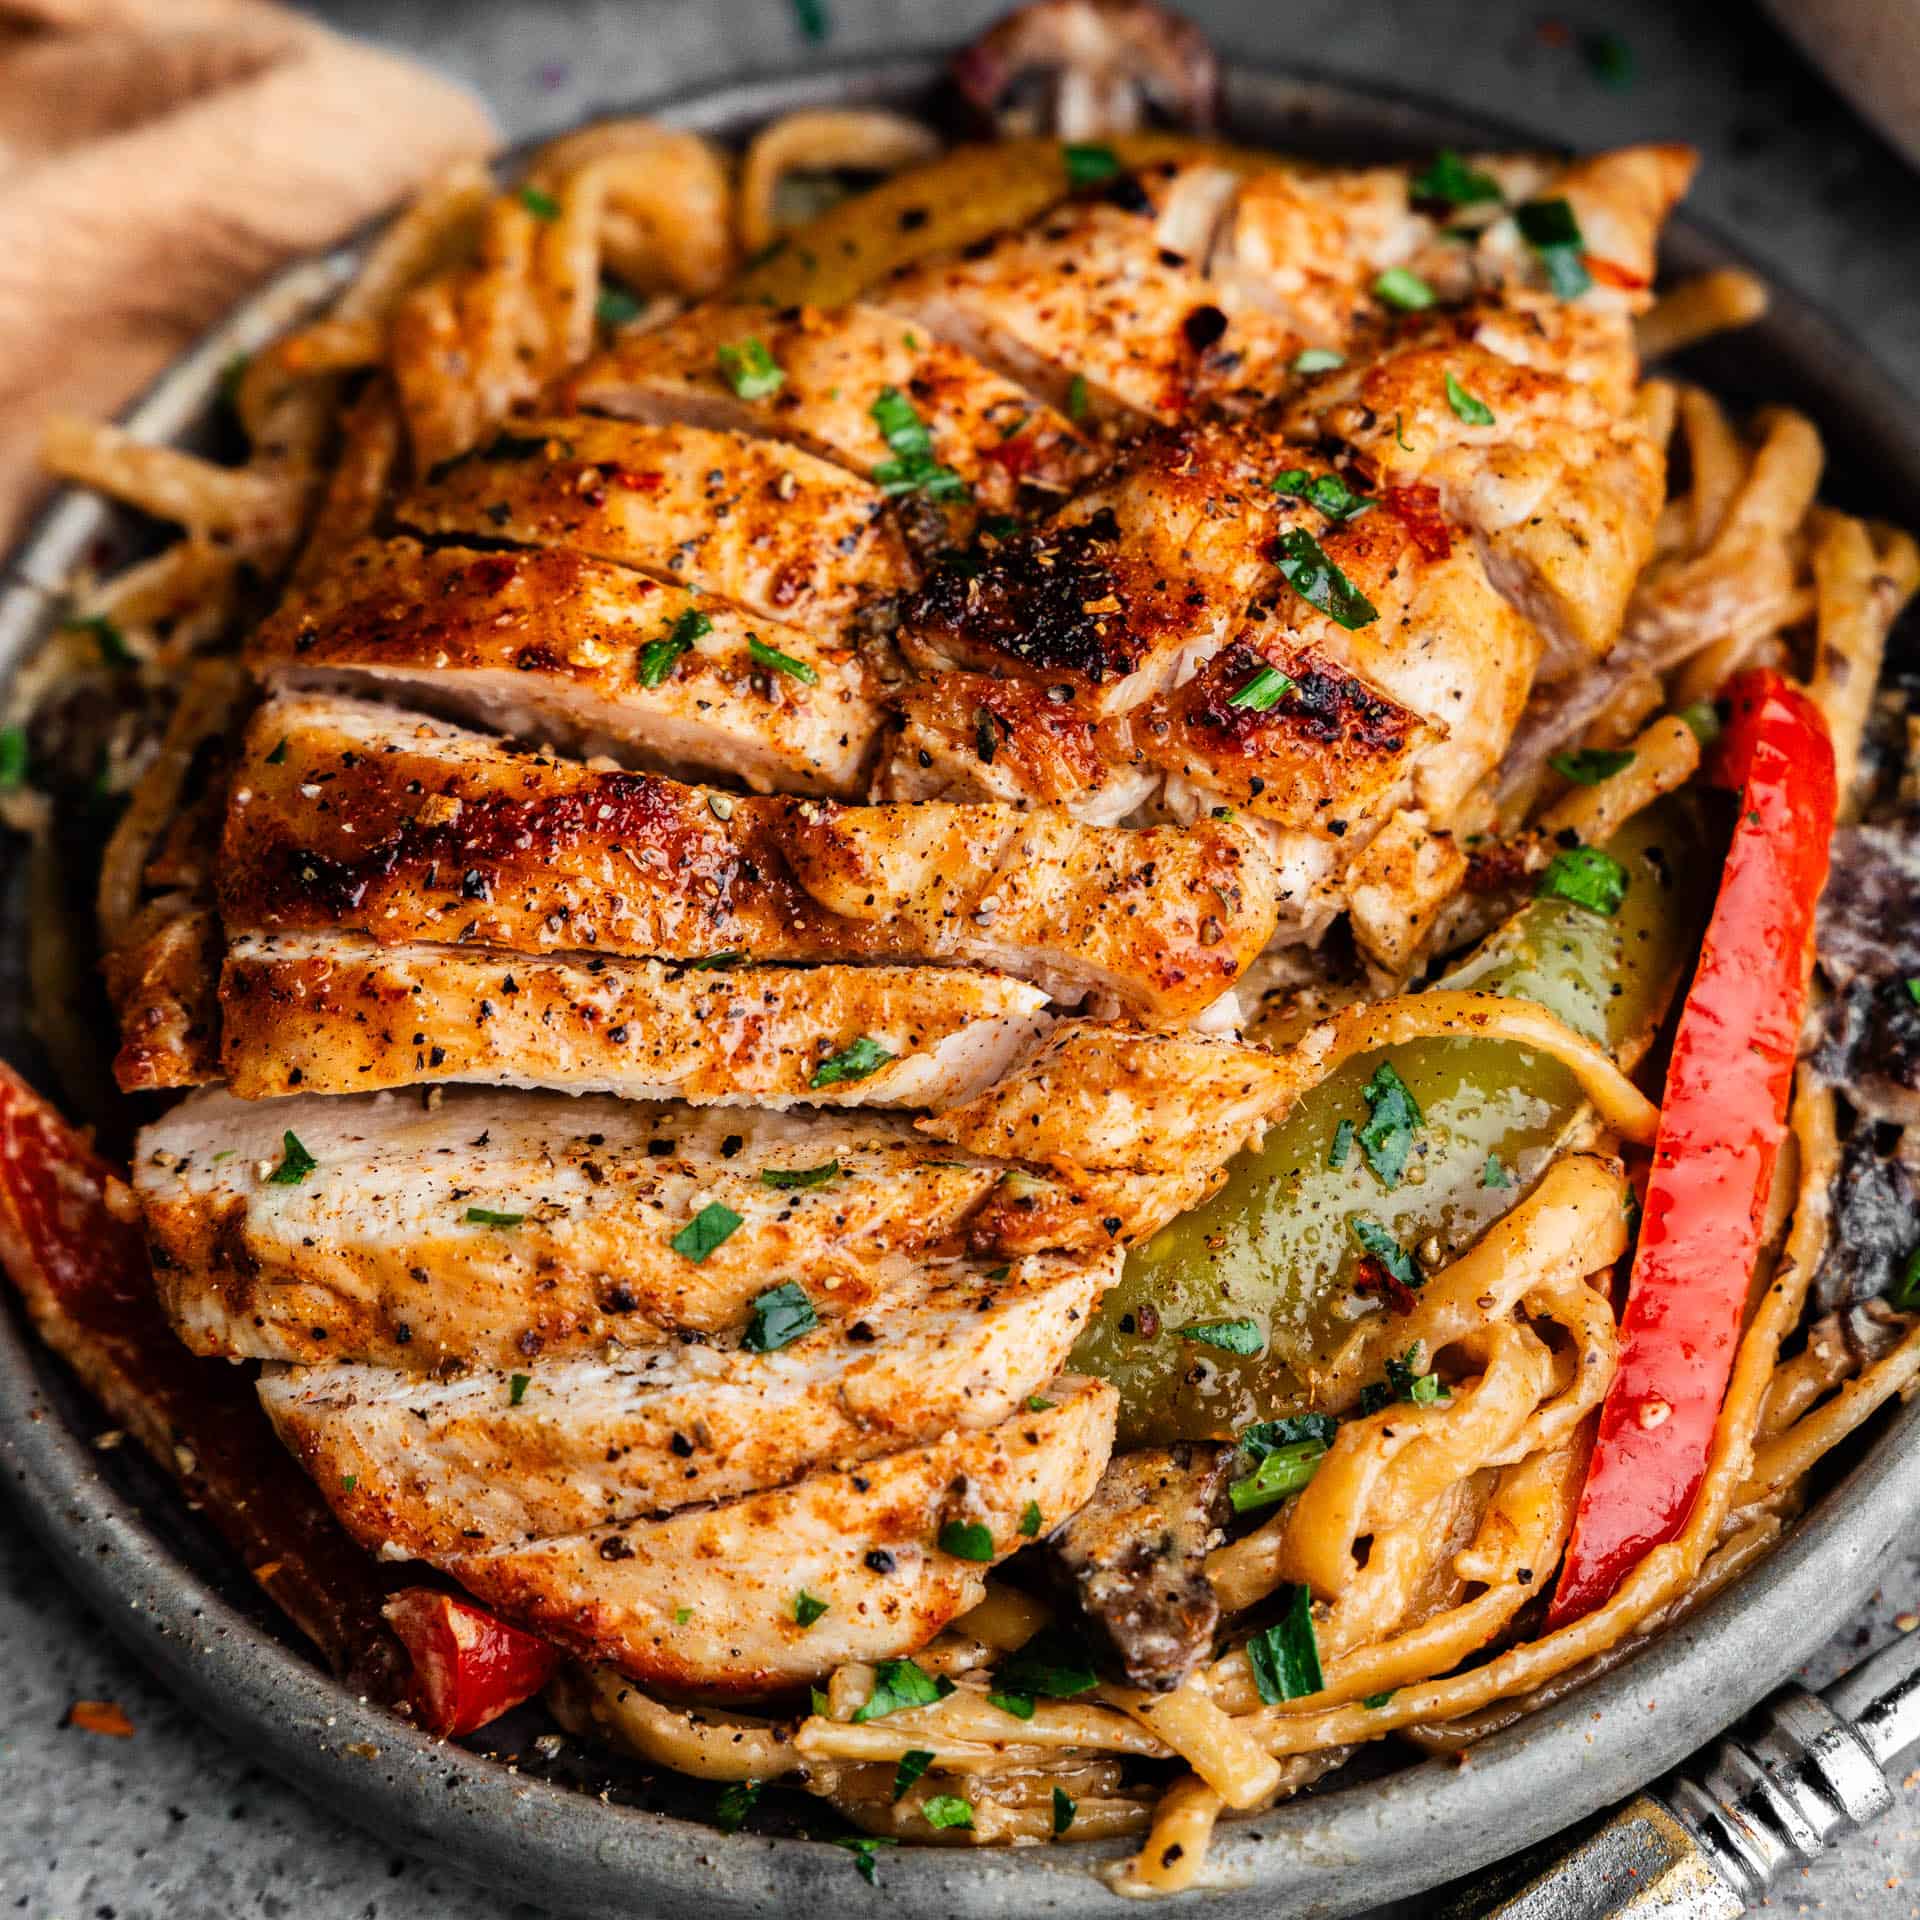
(1721, 1123)
(469, 1667)
(70, 1242)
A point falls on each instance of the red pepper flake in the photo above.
(1370, 1276)
(1016, 455)
(636, 479)
(1610, 273)
(1418, 510)
(100, 1716)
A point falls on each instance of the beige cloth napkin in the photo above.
(158, 158)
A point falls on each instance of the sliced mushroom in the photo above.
(1134, 1560)
(854, 140)
(1873, 1229)
(1087, 69)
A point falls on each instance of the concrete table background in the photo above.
(174, 1824)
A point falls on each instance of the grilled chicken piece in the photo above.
(555, 648)
(1561, 493)
(163, 977)
(834, 369)
(704, 1600)
(1102, 307)
(435, 1465)
(492, 1228)
(338, 1013)
(1097, 1096)
(1133, 1560)
(767, 526)
(344, 815)
(1135, 581)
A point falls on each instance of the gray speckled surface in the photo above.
(172, 1824)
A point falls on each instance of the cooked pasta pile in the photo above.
(1432, 1525)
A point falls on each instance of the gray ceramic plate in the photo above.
(161, 1585)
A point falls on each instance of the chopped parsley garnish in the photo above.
(1030, 1520)
(13, 758)
(1385, 1248)
(539, 203)
(1230, 1336)
(853, 1062)
(897, 1685)
(1077, 397)
(1039, 1403)
(1493, 1174)
(786, 1179)
(807, 1608)
(1587, 877)
(1448, 180)
(966, 1540)
(913, 469)
(1342, 1145)
(615, 306)
(1285, 1657)
(1704, 720)
(714, 962)
(777, 1317)
(913, 1763)
(1374, 1701)
(1476, 413)
(812, 18)
(486, 1217)
(1318, 360)
(1394, 1119)
(1088, 165)
(711, 1227)
(778, 662)
(1905, 1292)
(1052, 1664)
(657, 657)
(1590, 765)
(517, 1388)
(750, 370)
(1609, 60)
(114, 651)
(735, 1803)
(947, 1810)
(681, 1615)
(1262, 691)
(1403, 288)
(1284, 1468)
(1410, 1384)
(1913, 991)
(1327, 491)
(1020, 1705)
(348, 1481)
(1551, 230)
(1308, 571)
(278, 757)
(295, 1163)
(863, 1845)
(1064, 1808)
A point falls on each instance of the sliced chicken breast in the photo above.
(491, 1228)
(706, 1600)
(344, 815)
(767, 526)
(554, 648)
(338, 1013)
(1101, 307)
(430, 1465)
(823, 381)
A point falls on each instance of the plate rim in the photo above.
(1322, 1855)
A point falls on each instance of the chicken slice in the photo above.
(345, 815)
(834, 369)
(769, 527)
(705, 1600)
(1101, 306)
(1561, 493)
(338, 1013)
(558, 649)
(492, 1228)
(1138, 579)
(163, 977)
(432, 1465)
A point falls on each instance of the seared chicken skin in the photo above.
(493, 1228)
(557, 649)
(432, 1465)
(347, 816)
(338, 1013)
